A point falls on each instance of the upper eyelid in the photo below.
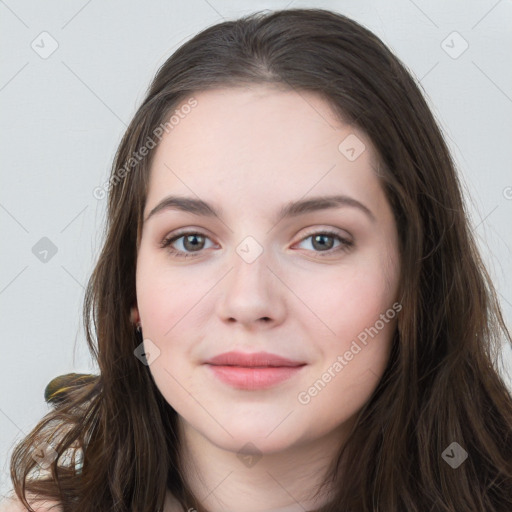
(177, 235)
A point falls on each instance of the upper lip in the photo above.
(255, 359)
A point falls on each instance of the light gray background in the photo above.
(63, 117)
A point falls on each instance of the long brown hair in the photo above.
(441, 385)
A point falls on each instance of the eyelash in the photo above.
(345, 244)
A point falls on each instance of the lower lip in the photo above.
(242, 377)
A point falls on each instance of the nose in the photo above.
(252, 295)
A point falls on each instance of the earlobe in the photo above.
(134, 315)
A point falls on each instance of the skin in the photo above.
(249, 151)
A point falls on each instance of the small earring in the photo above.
(138, 332)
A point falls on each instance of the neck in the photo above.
(281, 481)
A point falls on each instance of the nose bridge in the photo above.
(250, 267)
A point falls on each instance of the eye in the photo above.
(192, 241)
(320, 240)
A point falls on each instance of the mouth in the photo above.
(252, 360)
(253, 371)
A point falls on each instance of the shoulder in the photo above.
(13, 504)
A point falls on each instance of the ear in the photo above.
(134, 315)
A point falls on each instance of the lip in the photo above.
(253, 371)
(260, 359)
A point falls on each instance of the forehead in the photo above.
(260, 140)
(257, 117)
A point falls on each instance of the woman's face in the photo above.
(279, 268)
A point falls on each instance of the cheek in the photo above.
(166, 297)
(341, 304)
(170, 302)
(352, 360)
(353, 338)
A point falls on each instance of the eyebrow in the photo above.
(291, 209)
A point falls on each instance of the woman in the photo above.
(289, 311)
